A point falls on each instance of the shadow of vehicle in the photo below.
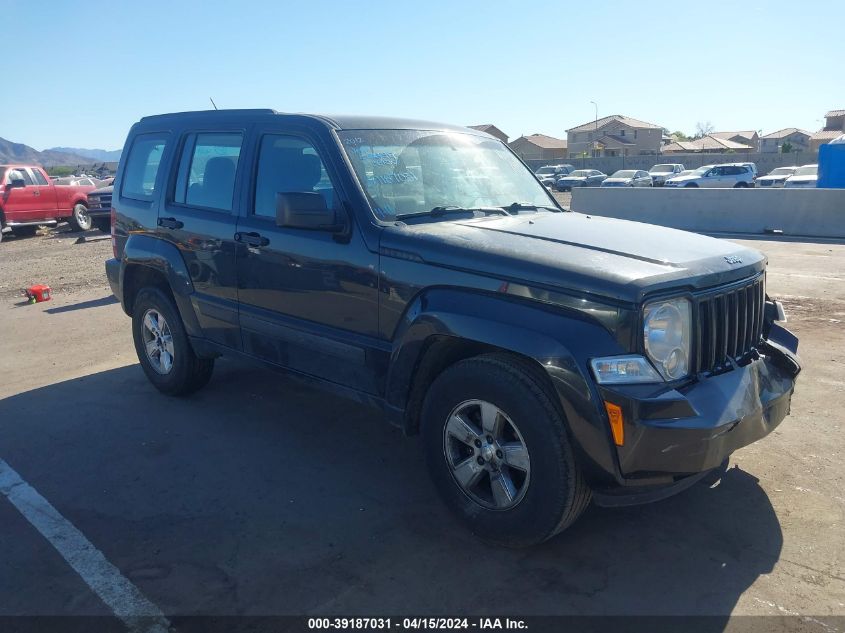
(261, 496)
(83, 305)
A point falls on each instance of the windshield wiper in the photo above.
(440, 211)
(516, 207)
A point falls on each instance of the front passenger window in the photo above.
(287, 164)
(19, 174)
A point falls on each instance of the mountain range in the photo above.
(19, 153)
(102, 155)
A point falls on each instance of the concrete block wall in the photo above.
(798, 212)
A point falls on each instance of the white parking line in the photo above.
(124, 599)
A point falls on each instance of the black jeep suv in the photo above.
(546, 357)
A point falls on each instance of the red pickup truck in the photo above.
(28, 198)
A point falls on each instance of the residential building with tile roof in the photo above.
(614, 135)
(492, 130)
(834, 127)
(539, 147)
(707, 145)
(793, 138)
(744, 137)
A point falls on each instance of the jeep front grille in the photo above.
(729, 324)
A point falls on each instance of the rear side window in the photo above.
(139, 176)
(39, 177)
(207, 170)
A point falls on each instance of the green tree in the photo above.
(61, 170)
(786, 148)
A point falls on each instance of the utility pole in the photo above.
(597, 122)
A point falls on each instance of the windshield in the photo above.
(624, 173)
(581, 173)
(414, 171)
(663, 169)
(807, 170)
(782, 171)
(702, 170)
(546, 170)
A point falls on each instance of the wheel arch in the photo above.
(150, 261)
(444, 326)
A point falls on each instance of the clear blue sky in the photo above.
(79, 75)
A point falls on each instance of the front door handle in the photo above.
(251, 239)
(170, 223)
(37, 192)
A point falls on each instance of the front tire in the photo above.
(498, 452)
(80, 220)
(163, 347)
(692, 184)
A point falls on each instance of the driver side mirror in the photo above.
(17, 182)
(306, 210)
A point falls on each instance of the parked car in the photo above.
(29, 199)
(776, 177)
(753, 167)
(79, 181)
(659, 173)
(546, 357)
(628, 178)
(99, 208)
(548, 174)
(805, 176)
(726, 175)
(580, 178)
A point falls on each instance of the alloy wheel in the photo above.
(486, 454)
(158, 341)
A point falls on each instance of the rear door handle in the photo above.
(251, 239)
(170, 223)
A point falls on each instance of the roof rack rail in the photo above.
(214, 112)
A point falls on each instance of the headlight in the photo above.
(667, 332)
(623, 369)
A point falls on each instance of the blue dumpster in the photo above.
(832, 164)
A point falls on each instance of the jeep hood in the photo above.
(605, 257)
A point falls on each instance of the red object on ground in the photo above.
(39, 293)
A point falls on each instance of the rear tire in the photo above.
(548, 489)
(80, 220)
(741, 185)
(692, 184)
(163, 347)
(24, 231)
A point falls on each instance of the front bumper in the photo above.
(673, 435)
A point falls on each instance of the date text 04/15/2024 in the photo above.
(413, 624)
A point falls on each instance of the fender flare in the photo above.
(557, 339)
(164, 258)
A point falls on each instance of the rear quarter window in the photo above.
(142, 165)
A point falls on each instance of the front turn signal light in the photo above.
(617, 427)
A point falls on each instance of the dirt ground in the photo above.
(54, 258)
(261, 496)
